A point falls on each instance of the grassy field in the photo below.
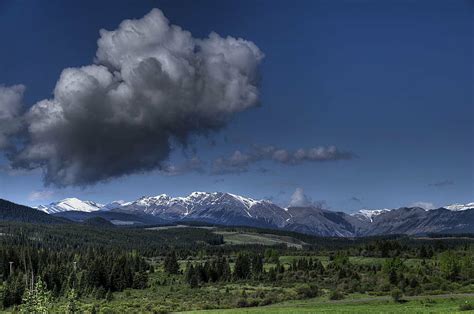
(242, 238)
(288, 259)
(431, 304)
(231, 237)
(180, 227)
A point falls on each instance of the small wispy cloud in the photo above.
(441, 184)
(424, 205)
(40, 195)
(355, 199)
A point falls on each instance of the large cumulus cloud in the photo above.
(151, 83)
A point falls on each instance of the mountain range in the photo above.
(230, 209)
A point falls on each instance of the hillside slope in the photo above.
(13, 212)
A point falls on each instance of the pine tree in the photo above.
(392, 277)
(191, 276)
(226, 273)
(257, 265)
(171, 265)
(36, 299)
(242, 266)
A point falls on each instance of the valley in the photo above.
(95, 266)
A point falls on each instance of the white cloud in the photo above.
(300, 199)
(424, 205)
(40, 195)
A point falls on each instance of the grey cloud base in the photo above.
(10, 111)
(151, 83)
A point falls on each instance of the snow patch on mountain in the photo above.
(70, 204)
(370, 214)
(460, 207)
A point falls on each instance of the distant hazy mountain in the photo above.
(231, 209)
(415, 220)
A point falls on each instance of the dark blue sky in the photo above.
(391, 81)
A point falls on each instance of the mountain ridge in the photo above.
(231, 209)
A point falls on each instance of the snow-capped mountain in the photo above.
(230, 209)
(370, 214)
(219, 207)
(70, 204)
(459, 207)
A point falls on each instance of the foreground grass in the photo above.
(432, 304)
(355, 303)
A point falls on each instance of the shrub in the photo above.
(307, 291)
(242, 303)
(109, 296)
(253, 302)
(266, 301)
(396, 295)
(466, 307)
(336, 295)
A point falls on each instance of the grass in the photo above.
(231, 237)
(180, 227)
(358, 305)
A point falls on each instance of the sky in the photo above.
(354, 104)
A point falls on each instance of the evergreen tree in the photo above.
(242, 266)
(36, 299)
(140, 280)
(191, 276)
(171, 265)
(14, 290)
(257, 265)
